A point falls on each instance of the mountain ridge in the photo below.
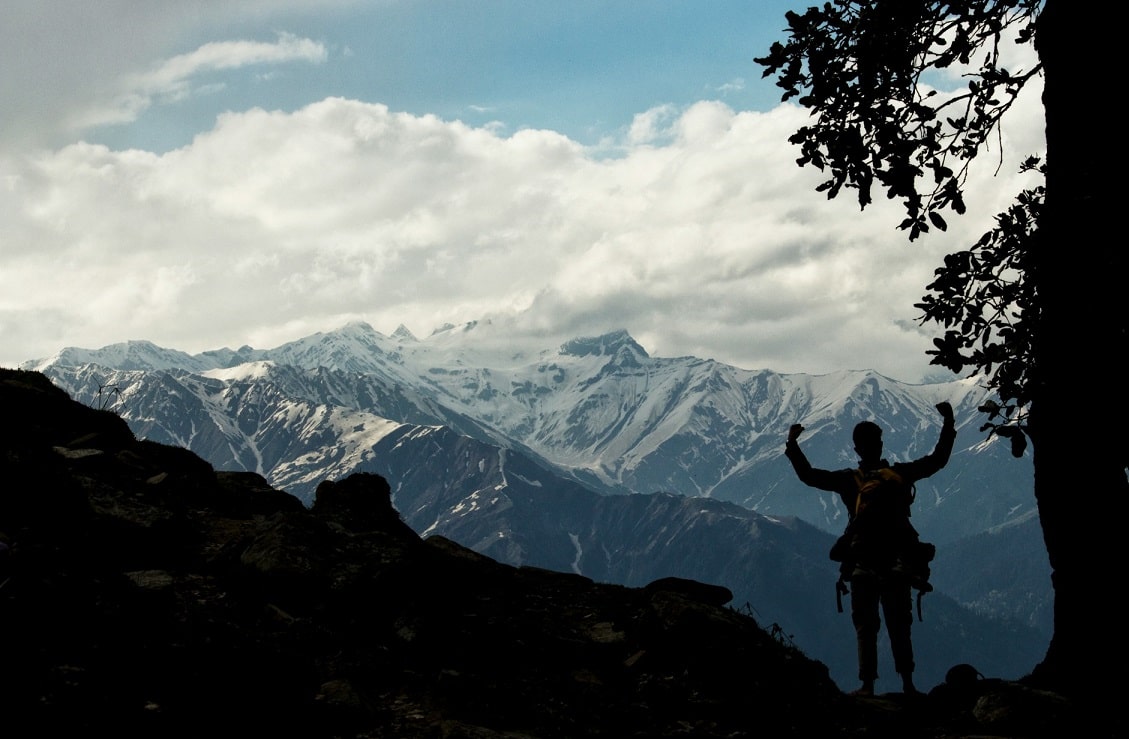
(460, 433)
(617, 426)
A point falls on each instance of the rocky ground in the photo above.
(145, 594)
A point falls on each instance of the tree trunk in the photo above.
(1078, 409)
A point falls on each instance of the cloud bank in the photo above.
(272, 225)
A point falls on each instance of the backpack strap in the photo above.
(840, 591)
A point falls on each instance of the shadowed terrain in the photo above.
(145, 594)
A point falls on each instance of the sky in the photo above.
(202, 174)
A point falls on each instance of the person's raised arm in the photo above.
(792, 450)
(939, 457)
(808, 475)
(794, 432)
(946, 410)
(948, 431)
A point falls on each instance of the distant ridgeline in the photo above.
(541, 460)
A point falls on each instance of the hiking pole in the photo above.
(840, 591)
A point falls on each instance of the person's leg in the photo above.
(864, 615)
(897, 607)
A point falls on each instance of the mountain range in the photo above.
(145, 594)
(596, 458)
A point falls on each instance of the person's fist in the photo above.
(946, 410)
(794, 431)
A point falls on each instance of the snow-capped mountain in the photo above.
(538, 458)
(598, 410)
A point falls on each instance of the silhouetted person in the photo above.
(880, 543)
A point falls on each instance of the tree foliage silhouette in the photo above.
(1036, 300)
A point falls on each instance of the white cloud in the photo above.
(175, 79)
(275, 224)
(651, 126)
(172, 74)
(734, 85)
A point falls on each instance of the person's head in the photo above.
(868, 441)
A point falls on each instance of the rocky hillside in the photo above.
(142, 593)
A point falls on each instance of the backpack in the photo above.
(882, 492)
(879, 530)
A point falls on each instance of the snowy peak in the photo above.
(451, 329)
(403, 333)
(247, 372)
(355, 347)
(127, 355)
(617, 343)
(229, 358)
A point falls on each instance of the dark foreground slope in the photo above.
(145, 594)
